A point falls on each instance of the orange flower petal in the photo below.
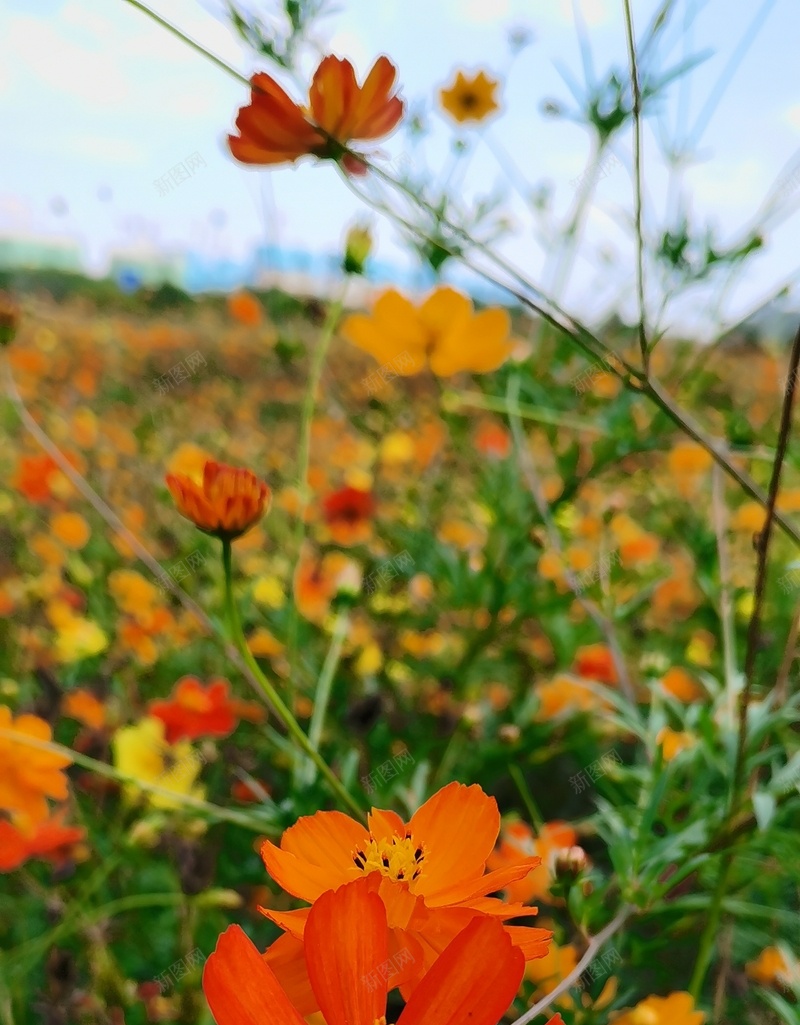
(474, 980)
(345, 945)
(240, 987)
(316, 854)
(459, 826)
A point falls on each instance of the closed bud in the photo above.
(358, 246)
(570, 862)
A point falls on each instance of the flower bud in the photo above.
(570, 862)
(358, 246)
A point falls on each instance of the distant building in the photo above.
(151, 267)
(29, 252)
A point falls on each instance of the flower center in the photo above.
(469, 101)
(400, 858)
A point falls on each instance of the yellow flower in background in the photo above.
(142, 752)
(268, 590)
(772, 967)
(78, 638)
(676, 1009)
(71, 529)
(444, 332)
(673, 742)
(470, 99)
(132, 592)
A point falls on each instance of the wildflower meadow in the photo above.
(413, 654)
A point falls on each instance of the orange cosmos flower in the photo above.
(273, 129)
(346, 954)
(197, 711)
(82, 705)
(444, 332)
(319, 578)
(348, 514)
(470, 99)
(245, 308)
(229, 502)
(595, 662)
(28, 775)
(429, 874)
(771, 967)
(52, 841)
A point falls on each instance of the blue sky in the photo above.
(94, 96)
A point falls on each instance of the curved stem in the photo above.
(281, 709)
(594, 945)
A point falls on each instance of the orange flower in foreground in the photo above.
(196, 711)
(273, 129)
(676, 1009)
(230, 501)
(681, 685)
(28, 775)
(348, 514)
(444, 332)
(346, 954)
(52, 840)
(429, 874)
(516, 841)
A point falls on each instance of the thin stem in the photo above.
(534, 486)
(476, 400)
(536, 817)
(304, 458)
(709, 936)
(324, 687)
(637, 172)
(566, 984)
(762, 548)
(719, 513)
(275, 700)
(258, 825)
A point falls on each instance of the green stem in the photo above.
(709, 936)
(304, 458)
(536, 817)
(258, 825)
(272, 696)
(323, 692)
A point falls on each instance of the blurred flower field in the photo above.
(392, 660)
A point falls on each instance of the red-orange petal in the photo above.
(240, 987)
(346, 945)
(475, 979)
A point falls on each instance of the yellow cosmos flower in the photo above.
(470, 99)
(675, 1009)
(79, 638)
(444, 332)
(673, 742)
(141, 751)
